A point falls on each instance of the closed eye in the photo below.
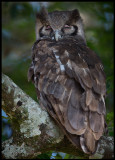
(68, 30)
(48, 27)
(45, 31)
(66, 26)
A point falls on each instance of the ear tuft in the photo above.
(42, 15)
(75, 14)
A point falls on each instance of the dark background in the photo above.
(18, 36)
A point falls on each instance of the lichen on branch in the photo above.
(34, 131)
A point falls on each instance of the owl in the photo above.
(69, 77)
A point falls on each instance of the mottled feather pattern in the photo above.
(71, 83)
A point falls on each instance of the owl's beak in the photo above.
(57, 35)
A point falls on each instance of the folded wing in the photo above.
(71, 82)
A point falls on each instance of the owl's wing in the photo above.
(71, 82)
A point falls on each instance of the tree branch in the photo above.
(34, 131)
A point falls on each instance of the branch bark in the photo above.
(34, 131)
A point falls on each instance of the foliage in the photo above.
(18, 36)
(110, 120)
(44, 156)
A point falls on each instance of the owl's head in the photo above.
(59, 24)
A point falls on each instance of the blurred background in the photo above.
(18, 36)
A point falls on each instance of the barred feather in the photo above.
(74, 95)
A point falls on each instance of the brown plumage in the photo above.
(70, 84)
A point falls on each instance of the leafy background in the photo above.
(18, 36)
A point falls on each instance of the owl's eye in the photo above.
(68, 29)
(48, 27)
(67, 26)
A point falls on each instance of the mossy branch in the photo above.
(34, 131)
